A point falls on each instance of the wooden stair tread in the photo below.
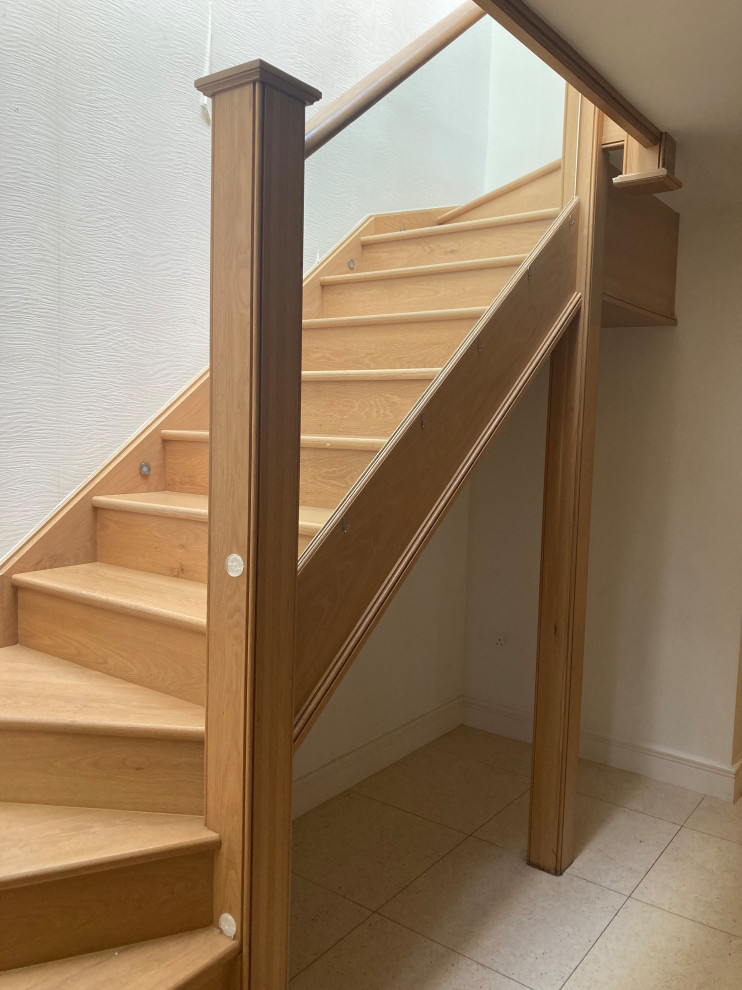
(311, 520)
(168, 599)
(39, 691)
(180, 505)
(379, 319)
(40, 842)
(503, 261)
(309, 440)
(461, 225)
(372, 375)
(185, 436)
(523, 180)
(163, 963)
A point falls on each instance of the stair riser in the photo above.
(89, 770)
(113, 907)
(327, 473)
(544, 193)
(187, 466)
(156, 654)
(358, 408)
(414, 293)
(464, 245)
(393, 345)
(157, 544)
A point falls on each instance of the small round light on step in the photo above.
(351, 263)
(234, 564)
(145, 468)
(227, 925)
(422, 421)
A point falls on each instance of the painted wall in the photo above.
(105, 166)
(665, 580)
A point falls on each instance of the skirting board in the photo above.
(716, 779)
(333, 778)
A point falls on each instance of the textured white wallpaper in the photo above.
(104, 165)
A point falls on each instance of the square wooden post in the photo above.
(566, 527)
(256, 290)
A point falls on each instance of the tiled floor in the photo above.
(416, 880)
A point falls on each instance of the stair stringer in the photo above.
(351, 571)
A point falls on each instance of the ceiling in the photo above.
(680, 63)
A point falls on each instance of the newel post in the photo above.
(256, 289)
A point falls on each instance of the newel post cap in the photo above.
(257, 71)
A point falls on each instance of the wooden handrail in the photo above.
(336, 116)
(376, 533)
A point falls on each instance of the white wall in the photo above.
(665, 578)
(105, 214)
(405, 686)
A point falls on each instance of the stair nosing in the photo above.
(38, 974)
(146, 730)
(185, 436)
(371, 374)
(481, 223)
(29, 581)
(478, 264)
(422, 316)
(100, 862)
(334, 441)
(119, 503)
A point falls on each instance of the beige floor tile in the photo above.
(319, 919)
(614, 847)
(637, 793)
(718, 818)
(380, 955)
(496, 751)
(365, 850)
(700, 877)
(448, 789)
(484, 902)
(645, 948)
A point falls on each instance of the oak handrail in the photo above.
(336, 116)
(374, 536)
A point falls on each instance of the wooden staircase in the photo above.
(102, 700)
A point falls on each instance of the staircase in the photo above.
(101, 702)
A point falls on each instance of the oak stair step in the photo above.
(145, 628)
(196, 960)
(420, 287)
(158, 532)
(77, 880)
(386, 340)
(73, 736)
(456, 241)
(540, 189)
(368, 402)
(167, 532)
(331, 462)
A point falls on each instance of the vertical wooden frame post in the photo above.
(566, 527)
(256, 288)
